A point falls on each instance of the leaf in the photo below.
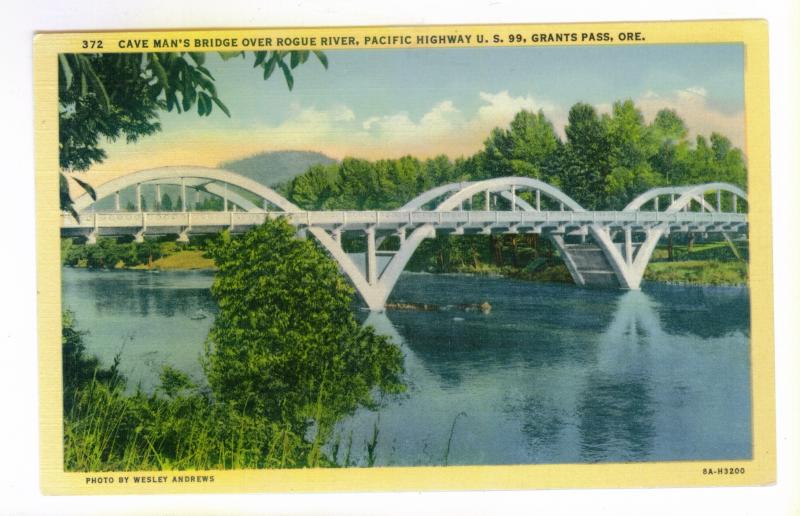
(322, 58)
(222, 106)
(270, 66)
(206, 72)
(229, 55)
(65, 200)
(260, 57)
(97, 84)
(206, 84)
(158, 70)
(87, 187)
(287, 73)
(186, 101)
(203, 104)
(171, 100)
(64, 68)
(294, 59)
(84, 86)
(198, 57)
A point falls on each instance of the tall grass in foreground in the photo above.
(178, 427)
(109, 430)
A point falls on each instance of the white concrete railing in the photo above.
(345, 220)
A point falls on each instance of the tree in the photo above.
(285, 344)
(312, 189)
(523, 149)
(631, 145)
(670, 131)
(166, 202)
(584, 165)
(119, 95)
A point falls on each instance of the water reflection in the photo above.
(553, 374)
(149, 319)
(704, 312)
(581, 382)
(143, 293)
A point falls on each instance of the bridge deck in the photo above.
(394, 220)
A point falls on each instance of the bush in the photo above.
(285, 342)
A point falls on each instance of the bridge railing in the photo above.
(394, 220)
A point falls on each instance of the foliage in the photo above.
(522, 150)
(107, 430)
(605, 161)
(286, 360)
(705, 272)
(119, 95)
(78, 369)
(110, 253)
(285, 344)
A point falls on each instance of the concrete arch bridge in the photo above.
(600, 248)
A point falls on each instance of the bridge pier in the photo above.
(372, 257)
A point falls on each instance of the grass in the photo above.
(698, 272)
(188, 259)
(718, 251)
(556, 272)
(107, 430)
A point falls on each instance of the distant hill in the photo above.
(268, 168)
(271, 168)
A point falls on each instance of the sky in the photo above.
(424, 102)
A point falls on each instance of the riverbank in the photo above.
(698, 272)
(704, 265)
(192, 259)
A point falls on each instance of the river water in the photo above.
(554, 374)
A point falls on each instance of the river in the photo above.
(554, 374)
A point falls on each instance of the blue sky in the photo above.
(387, 103)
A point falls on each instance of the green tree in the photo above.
(312, 189)
(523, 149)
(670, 131)
(285, 344)
(584, 165)
(632, 143)
(166, 202)
(360, 185)
(119, 95)
(438, 171)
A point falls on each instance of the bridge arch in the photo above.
(631, 270)
(384, 285)
(627, 260)
(504, 184)
(683, 195)
(696, 192)
(154, 175)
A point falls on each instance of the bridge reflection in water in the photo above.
(600, 248)
(617, 379)
(553, 374)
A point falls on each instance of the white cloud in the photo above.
(501, 107)
(443, 129)
(692, 104)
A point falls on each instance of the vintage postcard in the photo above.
(405, 258)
